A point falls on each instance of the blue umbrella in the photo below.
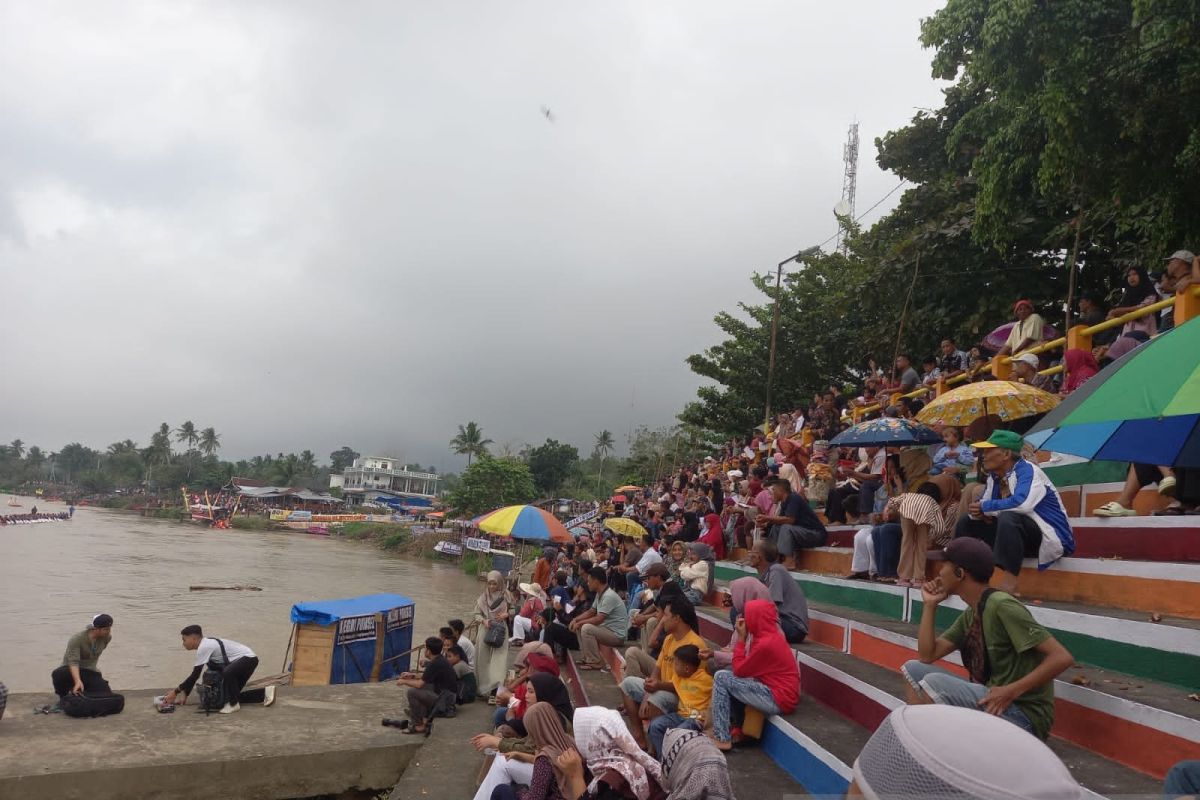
(887, 432)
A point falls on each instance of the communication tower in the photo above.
(845, 206)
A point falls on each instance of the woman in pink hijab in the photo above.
(741, 591)
(1080, 365)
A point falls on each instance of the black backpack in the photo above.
(212, 682)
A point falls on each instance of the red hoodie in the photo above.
(770, 659)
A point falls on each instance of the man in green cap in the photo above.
(1019, 513)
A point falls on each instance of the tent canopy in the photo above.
(327, 612)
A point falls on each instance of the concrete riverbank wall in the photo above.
(314, 741)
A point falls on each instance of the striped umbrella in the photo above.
(1144, 407)
(524, 522)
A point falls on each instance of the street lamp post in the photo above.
(775, 325)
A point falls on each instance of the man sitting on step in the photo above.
(1020, 513)
(647, 698)
(1012, 660)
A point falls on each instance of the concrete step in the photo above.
(1120, 640)
(1168, 588)
(1128, 538)
(1145, 725)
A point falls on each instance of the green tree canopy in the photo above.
(470, 442)
(550, 464)
(342, 458)
(491, 483)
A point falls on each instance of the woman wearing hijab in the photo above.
(512, 699)
(491, 607)
(741, 591)
(1139, 291)
(1081, 365)
(714, 534)
(616, 762)
(693, 767)
(691, 527)
(539, 687)
(544, 780)
(764, 675)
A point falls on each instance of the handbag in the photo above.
(497, 631)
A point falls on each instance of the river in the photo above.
(57, 575)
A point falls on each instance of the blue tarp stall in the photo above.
(339, 641)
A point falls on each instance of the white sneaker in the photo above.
(230, 708)
(270, 696)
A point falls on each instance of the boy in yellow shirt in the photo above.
(694, 687)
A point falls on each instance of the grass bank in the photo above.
(399, 539)
(251, 523)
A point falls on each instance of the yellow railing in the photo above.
(1187, 306)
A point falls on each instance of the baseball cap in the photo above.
(1028, 358)
(1182, 255)
(1009, 440)
(973, 555)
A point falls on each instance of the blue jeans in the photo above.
(1182, 780)
(634, 584)
(947, 689)
(728, 688)
(660, 725)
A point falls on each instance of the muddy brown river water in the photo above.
(54, 577)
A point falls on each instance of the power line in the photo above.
(868, 211)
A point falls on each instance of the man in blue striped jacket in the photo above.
(1019, 513)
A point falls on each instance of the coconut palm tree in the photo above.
(604, 446)
(470, 442)
(210, 441)
(160, 445)
(187, 433)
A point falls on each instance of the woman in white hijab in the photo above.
(612, 756)
(494, 605)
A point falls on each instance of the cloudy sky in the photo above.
(310, 224)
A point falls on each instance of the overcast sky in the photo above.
(313, 224)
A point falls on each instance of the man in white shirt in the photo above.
(1026, 331)
(466, 644)
(236, 662)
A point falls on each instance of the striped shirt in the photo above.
(921, 509)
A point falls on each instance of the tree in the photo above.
(159, 451)
(186, 433)
(470, 442)
(17, 448)
(35, 457)
(342, 458)
(210, 441)
(550, 464)
(307, 463)
(75, 459)
(604, 446)
(490, 483)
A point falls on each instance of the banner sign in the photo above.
(361, 629)
(449, 548)
(479, 545)
(582, 518)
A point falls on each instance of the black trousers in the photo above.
(559, 635)
(1013, 537)
(791, 631)
(93, 681)
(237, 675)
(421, 703)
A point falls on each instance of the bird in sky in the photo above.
(547, 113)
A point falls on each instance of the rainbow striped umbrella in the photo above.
(1143, 407)
(524, 522)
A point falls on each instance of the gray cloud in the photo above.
(310, 227)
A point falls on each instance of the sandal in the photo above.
(1169, 511)
(1114, 509)
(1166, 487)
(586, 667)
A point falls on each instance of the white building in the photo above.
(376, 478)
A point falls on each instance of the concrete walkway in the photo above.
(315, 740)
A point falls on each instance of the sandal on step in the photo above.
(1114, 509)
(1166, 487)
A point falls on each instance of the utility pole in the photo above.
(775, 321)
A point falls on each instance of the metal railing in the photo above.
(1186, 307)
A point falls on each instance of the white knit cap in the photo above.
(948, 753)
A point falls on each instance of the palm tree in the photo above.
(604, 446)
(118, 448)
(210, 441)
(470, 442)
(17, 448)
(307, 463)
(160, 444)
(187, 433)
(286, 468)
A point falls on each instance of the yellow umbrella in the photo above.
(625, 527)
(628, 488)
(1007, 400)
